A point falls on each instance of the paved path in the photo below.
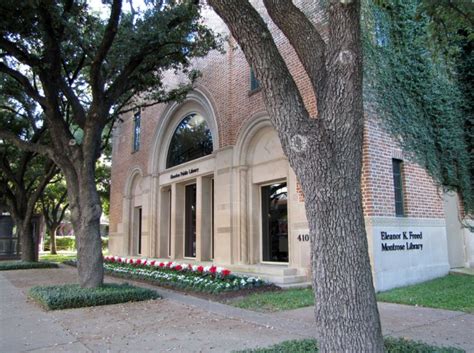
(183, 323)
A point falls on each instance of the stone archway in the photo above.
(259, 161)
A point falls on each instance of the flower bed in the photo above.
(210, 279)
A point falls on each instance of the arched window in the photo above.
(192, 139)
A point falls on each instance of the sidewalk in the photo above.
(184, 323)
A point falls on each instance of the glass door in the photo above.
(275, 222)
(190, 221)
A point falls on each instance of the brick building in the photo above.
(206, 180)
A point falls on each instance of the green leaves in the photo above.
(417, 93)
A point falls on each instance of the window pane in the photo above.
(398, 187)
(136, 132)
(192, 139)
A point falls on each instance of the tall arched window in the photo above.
(192, 139)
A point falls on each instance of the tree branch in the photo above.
(23, 80)
(305, 39)
(279, 88)
(21, 55)
(33, 199)
(105, 45)
(26, 146)
(79, 115)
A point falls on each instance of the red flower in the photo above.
(179, 268)
(200, 268)
(139, 261)
(119, 260)
(225, 272)
(162, 264)
(111, 259)
(168, 264)
(213, 269)
(190, 267)
(152, 263)
(130, 261)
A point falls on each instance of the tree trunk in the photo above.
(85, 215)
(52, 234)
(346, 309)
(27, 241)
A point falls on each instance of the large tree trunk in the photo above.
(86, 210)
(27, 241)
(346, 309)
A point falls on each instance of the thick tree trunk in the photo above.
(85, 214)
(27, 242)
(346, 309)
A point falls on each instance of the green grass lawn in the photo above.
(60, 257)
(392, 345)
(277, 301)
(452, 292)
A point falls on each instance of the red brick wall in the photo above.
(421, 196)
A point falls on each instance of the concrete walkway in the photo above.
(183, 323)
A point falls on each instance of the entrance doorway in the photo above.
(275, 222)
(190, 221)
(138, 229)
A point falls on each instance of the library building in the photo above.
(206, 181)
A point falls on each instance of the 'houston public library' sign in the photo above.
(406, 241)
(184, 173)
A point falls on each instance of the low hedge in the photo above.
(62, 243)
(73, 296)
(392, 345)
(69, 243)
(25, 265)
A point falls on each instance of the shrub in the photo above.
(24, 265)
(62, 243)
(73, 296)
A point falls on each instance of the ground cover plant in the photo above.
(391, 345)
(25, 265)
(452, 292)
(276, 301)
(73, 296)
(208, 279)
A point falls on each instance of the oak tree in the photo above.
(324, 151)
(83, 69)
(23, 174)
